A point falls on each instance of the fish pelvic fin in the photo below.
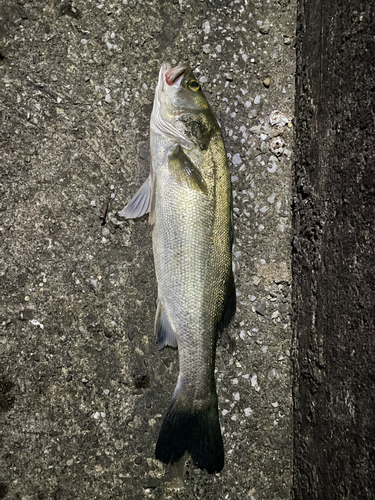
(194, 430)
(140, 204)
(163, 330)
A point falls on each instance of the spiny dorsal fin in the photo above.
(163, 330)
(184, 170)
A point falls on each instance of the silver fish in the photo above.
(188, 197)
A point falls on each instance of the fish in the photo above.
(188, 196)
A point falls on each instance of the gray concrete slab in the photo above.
(83, 388)
(333, 257)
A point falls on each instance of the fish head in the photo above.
(179, 89)
(181, 110)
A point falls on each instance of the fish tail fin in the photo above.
(194, 430)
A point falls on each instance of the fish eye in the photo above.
(193, 85)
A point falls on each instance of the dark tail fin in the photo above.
(195, 431)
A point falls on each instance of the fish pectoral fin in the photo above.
(163, 330)
(140, 203)
(184, 170)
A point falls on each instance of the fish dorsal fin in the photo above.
(184, 170)
(229, 305)
(140, 203)
(163, 330)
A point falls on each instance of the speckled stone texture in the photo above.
(333, 262)
(83, 388)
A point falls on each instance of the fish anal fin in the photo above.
(164, 333)
(184, 170)
(140, 203)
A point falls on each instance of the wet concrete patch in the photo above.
(77, 95)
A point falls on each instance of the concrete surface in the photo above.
(333, 264)
(83, 387)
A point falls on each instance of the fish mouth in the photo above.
(172, 75)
